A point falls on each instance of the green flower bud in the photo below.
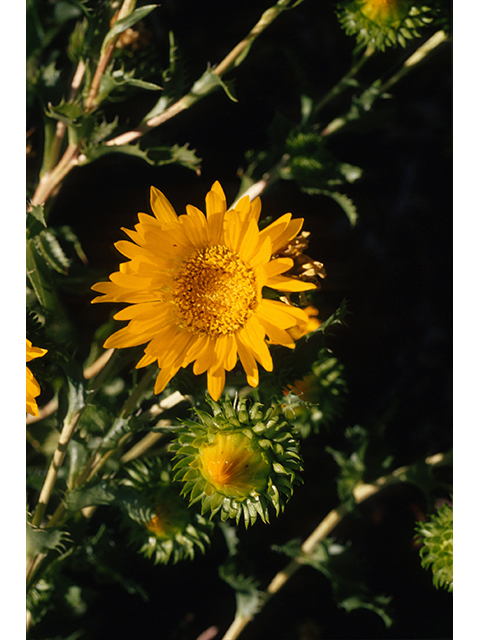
(239, 461)
(383, 23)
(436, 537)
(173, 531)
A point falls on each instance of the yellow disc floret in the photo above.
(215, 292)
(232, 467)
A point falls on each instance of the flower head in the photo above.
(383, 23)
(194, 285)
(238, 461)
(32, 387)
(172, 531)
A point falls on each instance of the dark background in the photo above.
(394, 268)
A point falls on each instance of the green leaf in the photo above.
(344, 202)
(35, 220)
(79, 123)
(155, 156)
(378, 604)
(43, 540)
(117, 80)
(39, 277)
(207, 83)
(248, 596)
(337, 318)
(50, 248)
(122, 25)
(104, 492)
(341, 565)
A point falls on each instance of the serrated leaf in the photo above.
(43, 540)
(122, 25)
(207, 83)
(337, 317)
(50, 248)
(35, 220)
(155, 156)
(39, 277)
(378, 604)
(248, 596)
(79, 123)
(101, 493)
(344, 202)
(118, 80)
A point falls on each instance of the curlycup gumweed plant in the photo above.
(194, 287)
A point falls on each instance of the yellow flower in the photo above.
(194, 285)
(33, 388)
(232, 467)
(305, 388)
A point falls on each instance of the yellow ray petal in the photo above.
(145, 361)
(195, 228)
(280, 265)
(215, 204)
(216, 383)
(164, 377)
(125, 338)
(204, 358)
(283, 315)
(145, 309)
(284, 283)
(249, 242)
(253, 336)
(248, 363)
(226, 352)
(161, 207)
(277, 335)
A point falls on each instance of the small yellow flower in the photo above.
(232, 467)
(32, 387)
(194, 285)
(305, 389)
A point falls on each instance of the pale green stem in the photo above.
(326, 526)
